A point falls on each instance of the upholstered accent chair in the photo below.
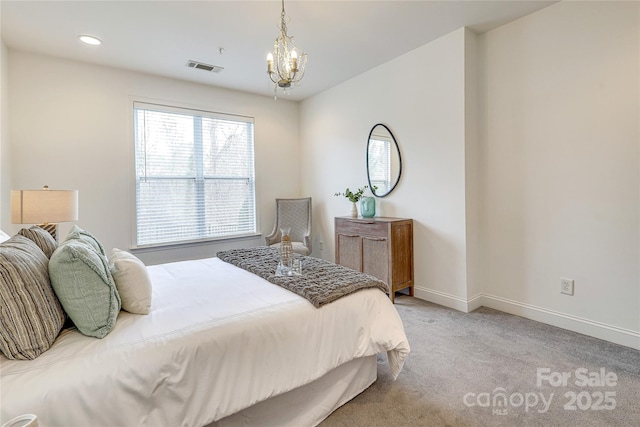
(296, 214)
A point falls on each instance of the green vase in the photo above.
(368, 207)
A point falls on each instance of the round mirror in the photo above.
(384, 164)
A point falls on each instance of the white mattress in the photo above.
(218, 340)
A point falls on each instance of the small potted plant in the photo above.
(353, 198)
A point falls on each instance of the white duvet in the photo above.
(218, 339)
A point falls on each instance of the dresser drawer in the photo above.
(361, 227)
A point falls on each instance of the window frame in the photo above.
(182, 108)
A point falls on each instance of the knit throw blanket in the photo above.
(321, 281)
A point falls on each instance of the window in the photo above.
(379, 163)
(195, 176)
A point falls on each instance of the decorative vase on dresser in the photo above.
(368, 207)
(381, 247)
(354, 210)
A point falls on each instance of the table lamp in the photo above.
(45, 208)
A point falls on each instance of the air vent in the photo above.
(205, 67)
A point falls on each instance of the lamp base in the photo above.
(52, 228)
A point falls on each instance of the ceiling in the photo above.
(342, 38)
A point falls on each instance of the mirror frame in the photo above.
(393, 138)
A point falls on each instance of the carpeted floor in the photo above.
(488, 368)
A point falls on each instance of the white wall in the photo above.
(560, 167)
(421, 97)
(71, 128)
(5, 164)
(520, 164)
(473, 196)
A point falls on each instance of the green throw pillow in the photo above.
(83, 283)
(78, 233)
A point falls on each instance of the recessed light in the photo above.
(90, 40)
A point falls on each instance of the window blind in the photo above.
(195, 176)
(379, 163)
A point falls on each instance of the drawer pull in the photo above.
(362, 221)
(376, 239)
(348, 235)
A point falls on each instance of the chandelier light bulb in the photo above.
(270, 63)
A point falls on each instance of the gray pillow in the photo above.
(40, 237)
(31, 316)
(83, 283)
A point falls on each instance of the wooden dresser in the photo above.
(381, 247)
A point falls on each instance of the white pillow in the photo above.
(132, 281)
(4, 236)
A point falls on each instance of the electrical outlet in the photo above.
(321, 245)
(566, 286)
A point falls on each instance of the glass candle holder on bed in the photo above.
(285, 267)
(294, 270)
(297, 267)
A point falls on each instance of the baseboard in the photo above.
(581, 325)
(441, 298)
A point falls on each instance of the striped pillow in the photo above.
(40, 237)
(31, 316)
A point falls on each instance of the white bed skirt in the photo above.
(311, 403)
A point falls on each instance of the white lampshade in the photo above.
(43, 206)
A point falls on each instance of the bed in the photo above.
(220, 346)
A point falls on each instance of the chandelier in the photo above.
(285, 65)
